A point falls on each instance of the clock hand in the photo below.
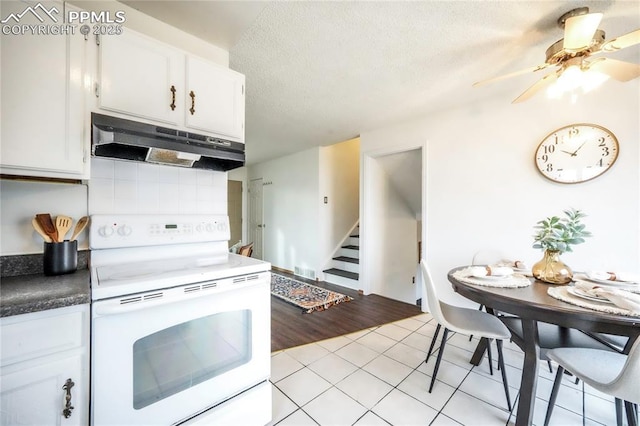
(576, 151)
(567, 152)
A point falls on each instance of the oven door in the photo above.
(163, 356)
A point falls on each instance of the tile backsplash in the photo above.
(126, 187)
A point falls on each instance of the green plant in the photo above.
(559, 234)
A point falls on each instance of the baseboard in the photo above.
(286, 271)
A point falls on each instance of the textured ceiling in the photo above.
(319, 73)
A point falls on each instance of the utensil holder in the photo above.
(60, 258)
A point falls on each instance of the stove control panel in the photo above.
(115, 231)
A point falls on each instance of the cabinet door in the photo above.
(35, 395)
(137, 75)
(217, 104)
(42, 99)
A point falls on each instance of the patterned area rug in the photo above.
(306, 296)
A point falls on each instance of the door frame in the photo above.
(368, 230)
(252, 227)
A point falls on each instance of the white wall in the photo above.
(481, 188)
(339, 182)
(290, 209)
(20, 201)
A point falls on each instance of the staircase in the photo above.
(345, 266)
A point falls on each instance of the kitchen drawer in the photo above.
(38, 334)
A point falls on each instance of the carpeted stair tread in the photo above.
(347, 259)
(351, 247)
(341, 273)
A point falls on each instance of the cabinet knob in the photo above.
(66, 412)
(192, 110)
(173, 97)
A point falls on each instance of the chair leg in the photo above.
(489, 356)
(433, 342)
(554, 394)
(618, 412)
(504, 373)
(632, 419)
(479, 308)
(435, 369)
(550, 368)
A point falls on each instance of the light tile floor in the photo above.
(378, 377)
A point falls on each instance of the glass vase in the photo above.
(551, 269)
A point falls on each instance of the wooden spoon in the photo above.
(82, 223)
(63, 224)
(46, 223)
(40, 231)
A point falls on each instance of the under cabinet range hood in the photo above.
(131, 140)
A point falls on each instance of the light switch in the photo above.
(326, 200)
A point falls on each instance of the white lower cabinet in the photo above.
(44, 370)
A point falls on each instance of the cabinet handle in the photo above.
(173, 97)
(66, 412)
(192, 110)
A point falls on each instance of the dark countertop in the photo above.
(36, 292)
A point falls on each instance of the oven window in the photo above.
(179, 357)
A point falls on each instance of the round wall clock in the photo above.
(576, 153)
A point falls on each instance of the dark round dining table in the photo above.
(532, 304)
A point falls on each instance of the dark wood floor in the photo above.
(290, 327)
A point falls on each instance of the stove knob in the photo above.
(105, 231)
(199, 227)
(124, 230)
(221, 227)
(209, 227)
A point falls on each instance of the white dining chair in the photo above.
(609, 372)
(464, 321)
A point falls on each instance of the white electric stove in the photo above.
(180, 326)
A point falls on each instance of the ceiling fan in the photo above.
(573, 57)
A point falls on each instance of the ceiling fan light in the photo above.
(592, 80)
(570, 79)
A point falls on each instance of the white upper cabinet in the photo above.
(43, 99)
(215, 99)
(144, 78)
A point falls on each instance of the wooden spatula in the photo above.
(39, 230)
(82, 223)
(46, 223)
(63, 224)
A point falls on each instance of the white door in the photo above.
(138, 76)
(214, 99)
(256, 227)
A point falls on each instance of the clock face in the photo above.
(576, 153)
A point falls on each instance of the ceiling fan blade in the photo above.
(622, 41)
(537, 86)
(579, 31)
(513, 74)
(618, 70)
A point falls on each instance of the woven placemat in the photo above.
(561, 293)
(512, 281)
